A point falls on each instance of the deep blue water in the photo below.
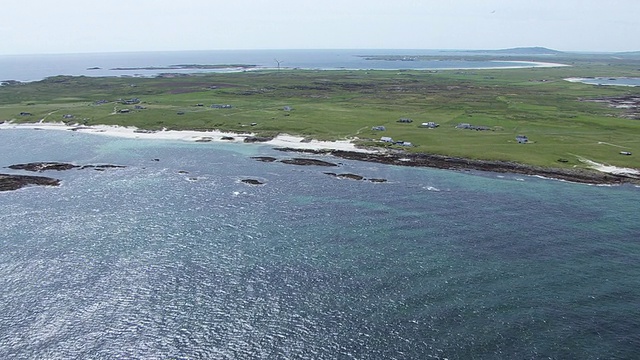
(147, 262)
(37, 67)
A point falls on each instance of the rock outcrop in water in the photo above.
(43, 166)
(346, 176)
(14, 182)
(252, 182)
(355, 177)
(306, 162)
(57, 166)
(456, 163)
(264, 158)
(10, 182)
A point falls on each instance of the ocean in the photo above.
(37, 67)
(179, 259)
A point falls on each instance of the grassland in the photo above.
(327, 105)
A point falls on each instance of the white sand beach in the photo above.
(282, 140)
(610, 169)
(528, 64)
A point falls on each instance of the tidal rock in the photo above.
(14, 182)
(346, 176)
(304, 161)
(264, 158)
(43, 166)
(103, 167)
(253, 139)
(252, 182)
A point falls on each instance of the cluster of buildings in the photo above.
(521, 139)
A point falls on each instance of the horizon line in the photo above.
(324, 49)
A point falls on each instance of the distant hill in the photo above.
(520, 51)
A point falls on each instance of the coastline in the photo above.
(346, 149)
(596, 176)
(130, 132)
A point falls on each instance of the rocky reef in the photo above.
(464, 164)
(306, 162)
(10, 182)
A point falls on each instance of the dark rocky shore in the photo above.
(10, 182)
(462, 164)
(44, 166)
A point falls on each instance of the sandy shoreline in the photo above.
(530, 64)
(130, 132)
(600, 174)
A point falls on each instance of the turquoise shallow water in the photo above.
(147, 262)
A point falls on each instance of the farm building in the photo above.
(430, 125)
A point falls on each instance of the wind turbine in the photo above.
(278, 62)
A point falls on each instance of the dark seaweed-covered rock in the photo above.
(464, 164)
(230, 138)
(378, 180)
(346, 176)
(102, 167)
(264, 158)
(253, 139)
(14, 182)
(305, 161)
(43, 166)
(252, 182)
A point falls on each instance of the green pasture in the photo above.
(329, 105)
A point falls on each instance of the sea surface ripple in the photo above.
(178, 259)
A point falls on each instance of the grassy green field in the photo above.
(534, 102)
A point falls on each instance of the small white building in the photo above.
(430, 125)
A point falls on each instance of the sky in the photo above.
(74, 26)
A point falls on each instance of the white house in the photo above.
(430, 125)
